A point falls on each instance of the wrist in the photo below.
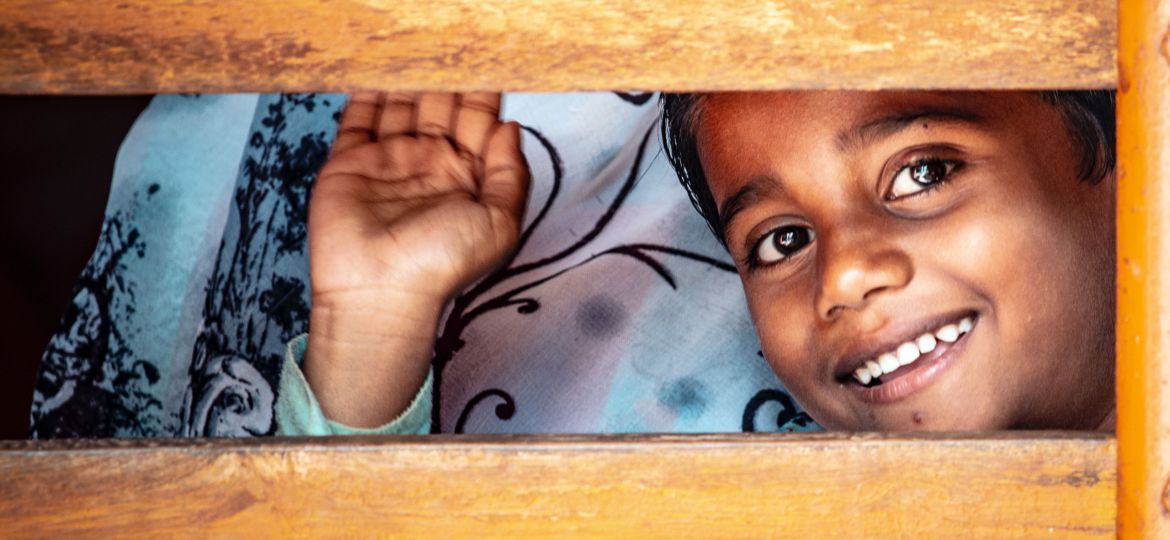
(360, 319)
(368, 354)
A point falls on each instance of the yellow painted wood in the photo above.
(1143, 276)
(148, 46)
(1020, 485)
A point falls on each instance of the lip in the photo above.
(923, 372)
(868, 348)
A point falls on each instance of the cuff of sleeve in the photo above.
(298, 413)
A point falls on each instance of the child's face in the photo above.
(863, 221)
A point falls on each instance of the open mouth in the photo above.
(910, 355)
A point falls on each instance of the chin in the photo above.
(943, 421)
(923, 418)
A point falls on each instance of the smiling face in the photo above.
(918, 260)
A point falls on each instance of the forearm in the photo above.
(421, 195)
(367, 359)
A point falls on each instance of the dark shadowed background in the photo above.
(58, 158)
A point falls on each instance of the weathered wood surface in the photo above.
(148, 46)
(715, 486)
(1143, 230)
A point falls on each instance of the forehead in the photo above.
(741, 134)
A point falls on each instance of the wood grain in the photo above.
(148, 46)
(715, 486)
(1143, 271)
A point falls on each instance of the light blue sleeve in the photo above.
(298, 413)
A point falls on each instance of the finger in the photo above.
(358, 121)
(475, 117)
(397, 114)
(433, 114)
(506, 177)
(367, 161)
(391, 161)
(410, 179)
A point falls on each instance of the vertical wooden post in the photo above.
(1143, 229)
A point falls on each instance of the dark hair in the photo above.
(1089, 116)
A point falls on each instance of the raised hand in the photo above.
(422, 195)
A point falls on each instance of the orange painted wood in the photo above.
(149, 46)
(823, 486)
(1143, 221)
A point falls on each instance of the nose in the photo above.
(854, 270)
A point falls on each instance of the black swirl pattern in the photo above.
(789, 418)
(504, 410)
(469, 306)
(636, 98)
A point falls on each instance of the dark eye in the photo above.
(919, 176)
(782, 242)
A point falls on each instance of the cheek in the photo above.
(784, 320)
(1037, 268)
(983, 254)
(1002, 257)
(1062, 272)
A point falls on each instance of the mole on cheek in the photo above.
(917, 418)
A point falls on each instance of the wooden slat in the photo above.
(147, 46)
(1143, 220)
(716, 486)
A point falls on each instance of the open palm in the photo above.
(422, 195)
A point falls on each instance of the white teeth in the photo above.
(926, 343)
(910, 351)
(907, 353)
(889, 362)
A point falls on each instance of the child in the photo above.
(912, 260)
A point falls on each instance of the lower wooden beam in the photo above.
(715, 486)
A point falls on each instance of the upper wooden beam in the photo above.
(147, 46)
(827, 486)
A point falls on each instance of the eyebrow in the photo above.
(848, 141)
(745, 197)
(854, 139)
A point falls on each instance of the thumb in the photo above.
(505, 171)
